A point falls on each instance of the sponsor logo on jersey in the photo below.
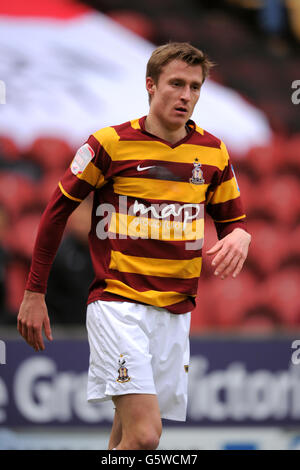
(143, 168)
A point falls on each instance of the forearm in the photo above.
(224, 228)
(50, 232)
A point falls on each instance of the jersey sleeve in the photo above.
(85, 174)
(224, 202)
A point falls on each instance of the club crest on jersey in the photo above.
(82, 158)
(123, 371)
(197, 174)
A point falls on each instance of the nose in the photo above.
(186, 93)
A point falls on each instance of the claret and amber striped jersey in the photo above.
(147, 224)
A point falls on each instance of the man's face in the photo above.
(176, 93)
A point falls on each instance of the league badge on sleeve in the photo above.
(82, 158)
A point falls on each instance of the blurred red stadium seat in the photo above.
(250, 196)
(223, 302)
(279, 195)
(22, 235)
(268, 245)
(246, 69)
(16, 276)
(294, 241)
(221, 30)
(199, 320)
(136, 22)
(50, 153)
(9, 149)
(281, 292)
(179, 29)
(279, 112)
(16, 192)
(47, 186)
(265, 159)
(291, 154)
(210, 238)
(260, 319)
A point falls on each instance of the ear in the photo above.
(150, 85)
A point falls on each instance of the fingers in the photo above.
(38, 339)
(231, 265)
(20, 327)
(231, 253)
(32, 317)
(229, 268)
(222, 259)
(215, 248)
(30, 337)
(34, 338)
(32, 334)
(238, 267)
(47, 329)
(228, 261)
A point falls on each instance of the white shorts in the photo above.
(137, 348)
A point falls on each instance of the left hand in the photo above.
(231, 252)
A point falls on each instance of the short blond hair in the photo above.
(184, 51)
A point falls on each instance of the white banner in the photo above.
(70, 77)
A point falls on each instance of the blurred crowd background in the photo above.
(255, 44)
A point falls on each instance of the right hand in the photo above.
(32, 317)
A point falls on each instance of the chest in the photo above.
(158, 172)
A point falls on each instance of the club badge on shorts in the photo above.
(197, 174)
(123, 371)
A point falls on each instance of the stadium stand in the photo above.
(50, 153)
(265, 297)
(17, 193)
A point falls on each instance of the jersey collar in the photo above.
(190, 126)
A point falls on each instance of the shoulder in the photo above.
(115, 132)
(212, 144)
(206, 138)
(110, 136)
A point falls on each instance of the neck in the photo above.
(155, 127)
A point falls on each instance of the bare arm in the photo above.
(33, 314)
(82, 177)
